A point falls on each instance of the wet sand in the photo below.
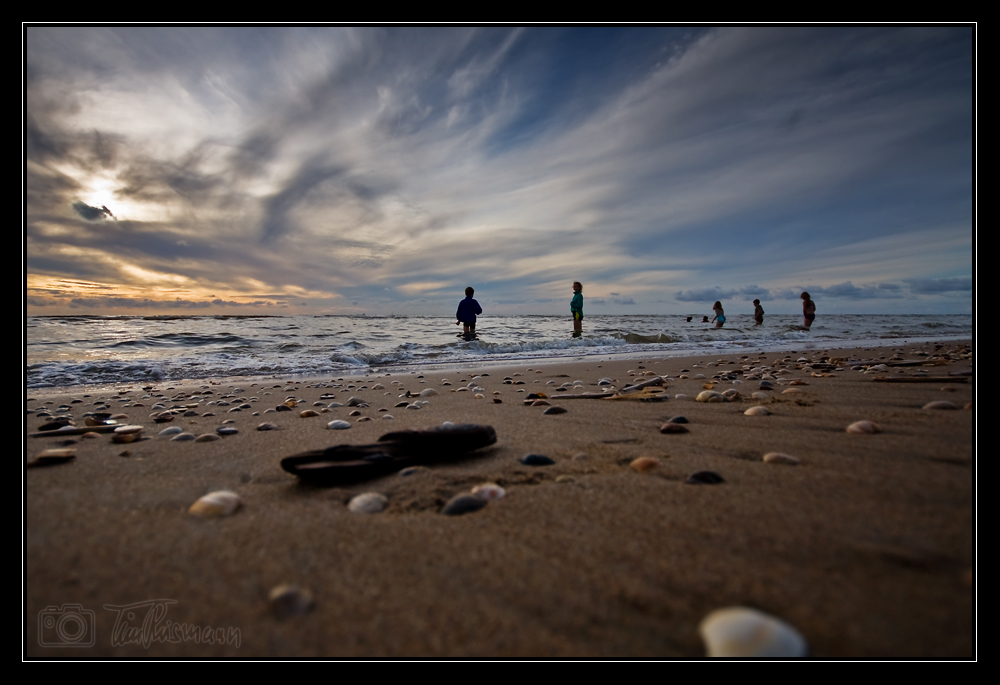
(865, 547)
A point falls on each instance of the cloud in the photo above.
(933, 286)
(92, 213)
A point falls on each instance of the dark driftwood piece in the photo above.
(392, 452)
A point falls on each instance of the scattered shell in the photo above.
(671, 427)
(710, 396)
(739, 631)
(539, 403)
(940, 404)
(463, 504)
(555, 410)
(52, 457)
(182, 437)
(173, 430)
(216, 504)
(536, 460)
(704, 478)
(207, 437)
(387, 416)
(410, 470)
(267, 427)
(781, 458)
(644, 464)
(368, 503)
(338, 425)
(756, 411)
(759, 395)
(489, 491)
(678, 419)
(428, 392)
(479, 396)
(226, 430)
(791, 391)
(864, 427)
(731, 395)
(288, 601)
(309, 413)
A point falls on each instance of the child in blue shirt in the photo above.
(466, 314)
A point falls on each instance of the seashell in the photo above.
(368, 503)
(555, 410)
(791, 391)
(290, 403)
(173, 430)
(216, 504)
(338, 425)
(463, 504)
(207, 437)
(731, 395)
(759, 395)
(52, 457)
(387, 416)
(428, 392)
(413, 406)
(489, 491)
(162, 417)
(226, 430)
(780, 458)
(864, 427)
(479, 396)
(538, 403)
(644, 464)
(740, 631)
(756, 411)
(704, 478)
(940, 404)
(797, 382)
(182, 437)
(309, 413)
(672, 428)
(710, 396)
(125, 430)
(354, 413)
(536, 460)
(288, 601)
(267, 427)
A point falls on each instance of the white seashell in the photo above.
(781, 458)
(756, 411)
(760, 395)
(216, 504)
(182, 437)
(864, 427)
(489, 491)
(710, 396)
(173, 430)
(739, 631)
(338, 425)
(368, 503)
(428, 392)
(940, 404)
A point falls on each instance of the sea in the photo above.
(71, 351)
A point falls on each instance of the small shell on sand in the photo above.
(710, 396)
(671, 427)
(53, 456)
(864, 427)
(756, 411)
(182, 437)
(739, 631)
(463, 504)
(940, 404)
(207, 437)
(792, 391)
(368, 503)
(489, 491)
(644, 464)
(305, 414)
(704, 478)
(267, 427)
(760, 395)
(338, 425)
(781, 458)
(731, 395)
(554, 410)
(173, 430)
(288, 601)
(216, 504)
(428, 392)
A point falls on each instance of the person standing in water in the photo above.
(466, 314)
(808, 310)
(720, 316)
(576, 308)
(758, 313)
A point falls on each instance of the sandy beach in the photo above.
(865, 547)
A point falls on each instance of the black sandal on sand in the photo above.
(392, 452)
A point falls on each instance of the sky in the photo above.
(318, 170)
